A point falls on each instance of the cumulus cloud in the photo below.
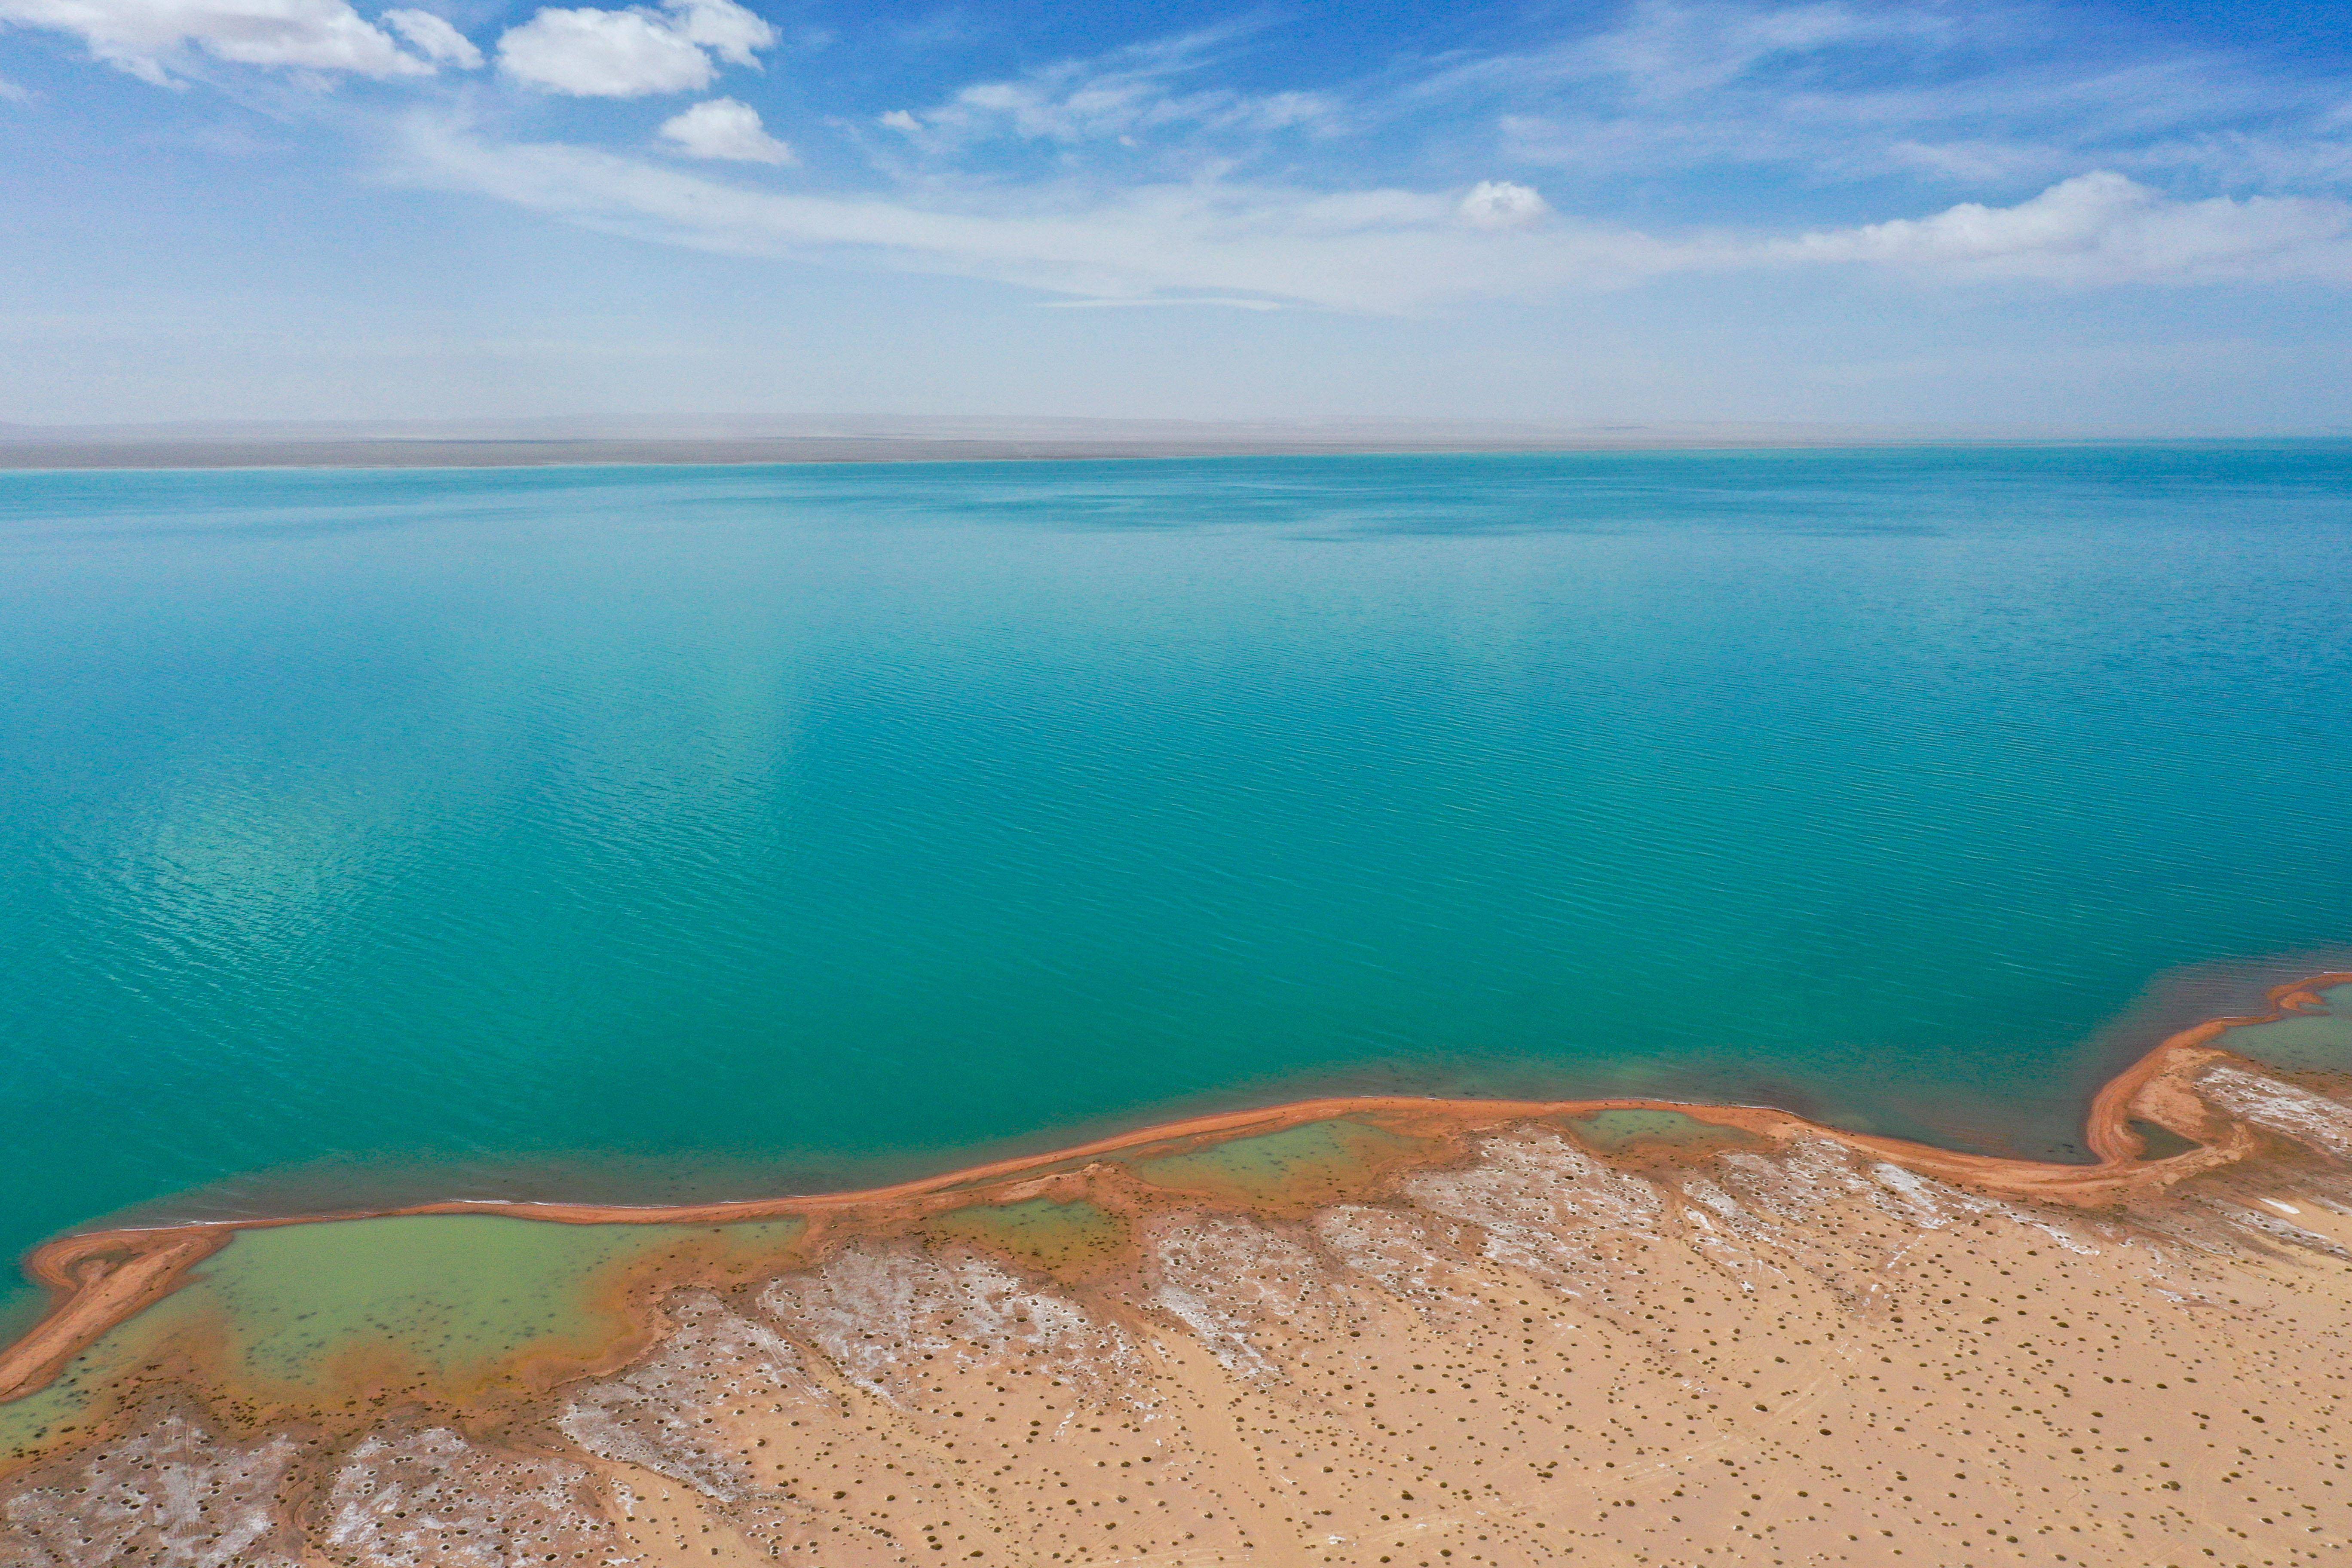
(591, 53)
(725, 28)
(1499, 204)
(2103, 227)
(724, 129)
(143, 37)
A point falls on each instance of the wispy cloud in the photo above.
(1668, 50)
(435, 38)
(1384, 250)
(1115, 98)
(1979, 96)
(1378, 249)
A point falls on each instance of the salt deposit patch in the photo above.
(1396, 1252)
(1932, 1205)
(660, 1412)
(2276, 1230)
(1809, 1174)
(430, 1498)
(1543, 1204)
(877, 1313)
(1234, 1283)
(2310, 1120)
(172, 1496)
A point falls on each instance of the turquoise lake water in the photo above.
(656, 832)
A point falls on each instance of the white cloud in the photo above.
(1666, 49)
(142, 36)
(1375, 250)
(591, 53)
(1499, 204)
(435, 38)
(1378, 250)
(722, 27)
(1114, 98)
(2102, 227)
(724, 129)
(1983, 96)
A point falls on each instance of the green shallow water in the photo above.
(1612, 1131)
(1304, 1163)
(650, 833)
(456, 1294)
(2302, 1042)
(439, 1303)
(1040, 1232)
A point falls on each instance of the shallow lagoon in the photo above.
(2302, 1042)
(445, 1306)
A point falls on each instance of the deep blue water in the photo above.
(655, 830)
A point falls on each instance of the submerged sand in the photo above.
(1353, 1332)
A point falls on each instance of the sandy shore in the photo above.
(1506, 1333)
(100, 1279)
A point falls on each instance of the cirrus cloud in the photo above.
(1382, 251)
(1367, 250)
(1118, 98)
(435, 38)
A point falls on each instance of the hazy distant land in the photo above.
(556, 442)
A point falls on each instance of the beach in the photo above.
(1362, 1332)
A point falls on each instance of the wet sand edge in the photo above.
(99, 1279)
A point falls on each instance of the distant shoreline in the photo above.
(68, 449)
(599, 454)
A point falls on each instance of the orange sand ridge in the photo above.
(100, 1278)
(1433, 1335)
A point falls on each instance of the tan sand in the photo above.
(101, 1280)
(1773, 1343)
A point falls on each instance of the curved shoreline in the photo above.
(99, 1279)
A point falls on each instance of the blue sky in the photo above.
(2115, 217)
